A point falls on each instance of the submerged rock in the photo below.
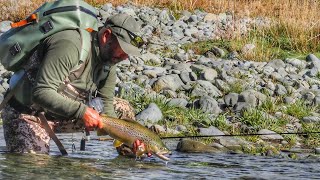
(191, 146)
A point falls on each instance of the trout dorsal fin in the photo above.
(124, 119)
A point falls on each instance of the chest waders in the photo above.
(52, 17)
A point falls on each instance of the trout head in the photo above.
(159, 150)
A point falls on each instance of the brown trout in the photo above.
(127, 131)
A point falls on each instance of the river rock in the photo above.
(311, 119)
(182, 67)
(209, 105)
(157, 129)
(153, 72)
(296, 63)
(217, 51)
(315, 62)
(191, 146)
(153, 58)
(272, 137)
(233, 143)
(152, 113)
(276, 64)
(179, 102)
(316, 100)
(165, 17)
(198, 67)
(210, 131)
(185, 76)
(181, 56)
(242, 106)
(280, 90)
(172, 82)
(231, 99)
(248, 97)
(202, 88)
(222, 85)
(209, 74)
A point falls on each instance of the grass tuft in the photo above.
(258, 120)
(299, 109)
(312, 140)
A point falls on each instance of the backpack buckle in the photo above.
(47, 26)
(15, 49)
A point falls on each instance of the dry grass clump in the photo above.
(16, 10)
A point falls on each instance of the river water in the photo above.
(101, 161)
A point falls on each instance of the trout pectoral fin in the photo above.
(101, 132)
(117, 143)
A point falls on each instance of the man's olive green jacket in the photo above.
(59, 54)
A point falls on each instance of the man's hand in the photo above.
(139, 146)
(92, 119)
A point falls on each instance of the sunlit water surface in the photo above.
(101, 161)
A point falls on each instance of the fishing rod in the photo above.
(231, 135)
(217, 135)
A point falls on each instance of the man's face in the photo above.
(110, 50)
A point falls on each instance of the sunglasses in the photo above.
(135, 40)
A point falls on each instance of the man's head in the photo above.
(118, 38)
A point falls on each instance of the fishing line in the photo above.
(219, 135)
(231, 135)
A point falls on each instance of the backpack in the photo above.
(17, 44)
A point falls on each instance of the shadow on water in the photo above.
(100, 161)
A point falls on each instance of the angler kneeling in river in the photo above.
(53, 85)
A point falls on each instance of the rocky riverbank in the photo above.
(229, 95)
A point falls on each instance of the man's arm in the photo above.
(60, 56)
(107, 92)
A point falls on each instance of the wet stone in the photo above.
(192, 146)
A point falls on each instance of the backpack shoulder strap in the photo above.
(86, 43)
(86, 40)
